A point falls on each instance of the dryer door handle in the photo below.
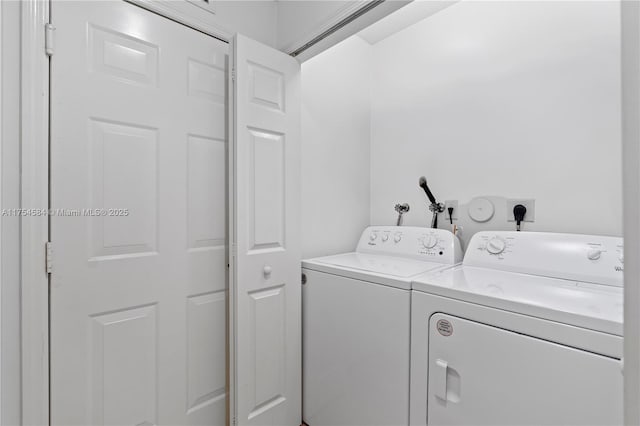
(440, 379)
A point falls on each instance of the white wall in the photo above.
(335, 148)
(10, 226)
(513, 99)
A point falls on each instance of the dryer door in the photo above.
(484, 375)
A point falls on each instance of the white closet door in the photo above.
(138, 296)
(267, 234)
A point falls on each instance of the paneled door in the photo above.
(267, 293)
(139, 199)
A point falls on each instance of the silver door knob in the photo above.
(267, 271)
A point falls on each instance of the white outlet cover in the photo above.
(481, 210)
(454, 204)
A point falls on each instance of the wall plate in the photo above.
(454, 204)
(529, 203)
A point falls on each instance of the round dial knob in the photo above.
(385, 237)
(373, 236)
(594, 253)
(496, 246)
(429, 241)
(397, 238)
(621, 257)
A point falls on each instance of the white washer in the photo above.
(356, 320)
(528, 330)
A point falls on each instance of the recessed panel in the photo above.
(206, 350)
(123, 185)
(266, 87)
(207, 183)
(267, 194)
(123, 367)
(269, 352)
(122, 56)
(207, 81)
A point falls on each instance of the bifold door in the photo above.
(483, 375)
(139, 192)
(267, 294)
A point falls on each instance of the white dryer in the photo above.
(355, 321)
(527, 331)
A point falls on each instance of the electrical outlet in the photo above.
(529, 203)
(454, 204)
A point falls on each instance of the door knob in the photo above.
(267, 271)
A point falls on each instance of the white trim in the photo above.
(345, 11)
(232, 408)
(1, 192)
(186, 13)
(630, 14)
(34, 189)
(348, 30)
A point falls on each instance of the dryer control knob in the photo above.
(496, 245)
(594, 253)
(397, 238)
(373, 236)
(429, 241)
(385, 237)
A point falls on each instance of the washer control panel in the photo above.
(588, 258)
(434, 245)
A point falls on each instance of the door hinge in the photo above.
(233, 74)
(49, 257)
(48, 39)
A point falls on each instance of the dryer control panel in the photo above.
(587, 258)
(433, 245)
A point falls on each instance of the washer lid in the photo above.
(387, 270)
(592, 306)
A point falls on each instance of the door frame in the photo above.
(34, 189)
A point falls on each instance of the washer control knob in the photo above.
(429, 241)
(397, 238)
(373, 236)
(594, 253)
(385, 237)
(496, 245)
